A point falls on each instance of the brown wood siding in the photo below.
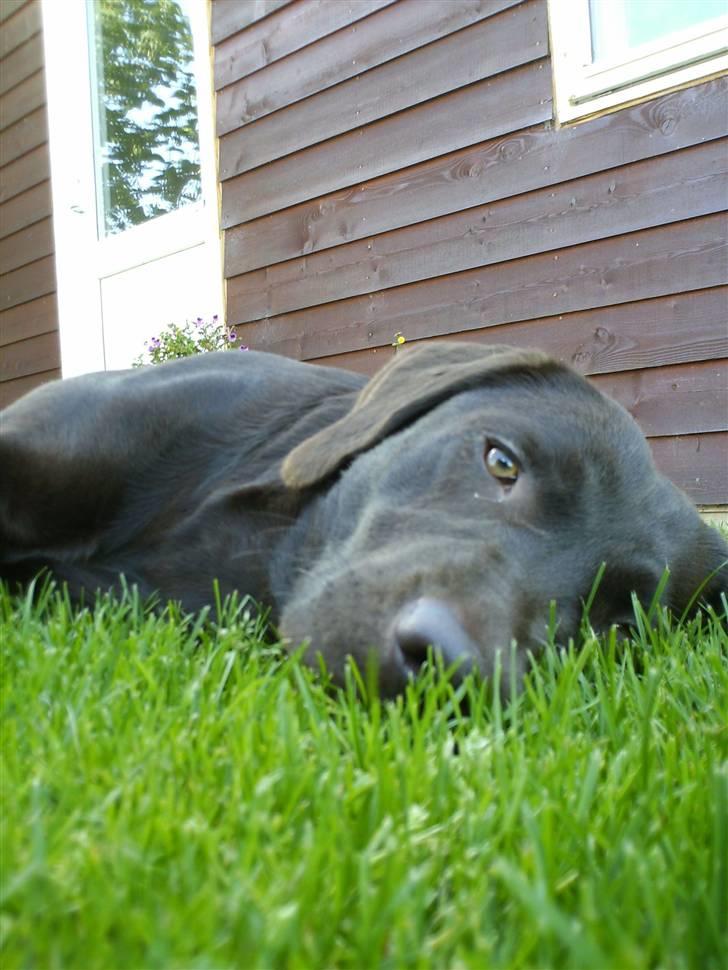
(230, 16)
(394, 167)
(338, 56)
(29, 349)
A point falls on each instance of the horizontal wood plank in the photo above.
(516, 99)
(653, 192)
(695, 463)
(513, 38)
(505, 166)
(19, 27)
(26, 245)
(29, 320)
(24, 61)
(673, 329)
(350, 52)
(13, 390)
(682, 399)
(31, 356)
(22, 99)
(9, 7)
(23, 136)
(639, 266)
(285, 32)
(26, 208)
(27, 283)
(231, 16)
(650, 333)
(23, 173)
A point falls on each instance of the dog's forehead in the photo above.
(559, 410)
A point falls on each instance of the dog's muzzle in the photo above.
(430, 624)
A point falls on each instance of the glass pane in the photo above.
(147, 144)
(619, 25)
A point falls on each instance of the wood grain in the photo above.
(28, 244)
(681, 399)
(21, 63)
(696, 463)
(22, 99)
(26, 208)
(649, 193)
(25, 135)
(230, 16)
(9, 7)
(28, 310)
(31, 356)
(641, 265)
(19, 27)
(22, 174)
(29, 319)
(28, 282)
(513, 38)
(350, 52)
(507, 165)
(674, 329)
(283, 33)
(512, 100)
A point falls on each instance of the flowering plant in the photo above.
(183, 340)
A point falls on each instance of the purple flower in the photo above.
(244, 347)
(214, 318)
(232, 336)
(198, 322)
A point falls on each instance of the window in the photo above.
(609, 52)
(147, 146)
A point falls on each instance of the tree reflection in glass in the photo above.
(147, 145)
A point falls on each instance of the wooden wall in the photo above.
(392, 166)
(29, 351)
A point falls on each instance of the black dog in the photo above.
(447, 501)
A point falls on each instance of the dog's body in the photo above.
(448, 501)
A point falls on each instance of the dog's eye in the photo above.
(500, 465)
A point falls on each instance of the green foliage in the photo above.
(147, 108)
(176, 793)
(184, 340)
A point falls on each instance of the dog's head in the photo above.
(468, 489)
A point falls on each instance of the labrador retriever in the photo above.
(446, 502)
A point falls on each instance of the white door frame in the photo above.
(82, 259)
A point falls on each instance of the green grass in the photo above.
(175, 794)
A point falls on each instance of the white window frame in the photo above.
(583, 88)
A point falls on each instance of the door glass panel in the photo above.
(145, 117)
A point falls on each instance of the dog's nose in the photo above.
(428, 622)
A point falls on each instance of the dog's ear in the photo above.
(418, 379)
(699, 570)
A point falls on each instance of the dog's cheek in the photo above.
(346, 608)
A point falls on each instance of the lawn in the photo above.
(176, 794)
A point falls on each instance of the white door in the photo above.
(133, 173)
